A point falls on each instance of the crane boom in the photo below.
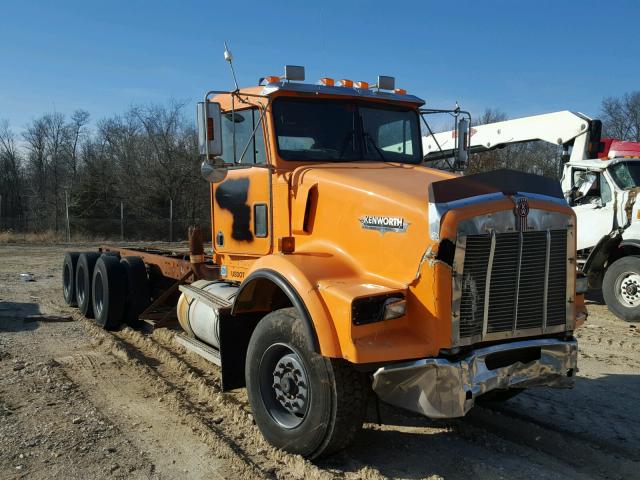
(559, 128)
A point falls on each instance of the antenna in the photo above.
(229, 58)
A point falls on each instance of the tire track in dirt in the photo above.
(217, 420)
(583, 455)
(590, 462)
(163, 339)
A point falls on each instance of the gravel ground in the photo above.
(78, 402)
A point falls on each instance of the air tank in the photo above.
(199, 319)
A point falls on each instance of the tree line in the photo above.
(145, 165)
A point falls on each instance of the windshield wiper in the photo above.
(370, 139)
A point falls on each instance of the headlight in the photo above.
(366, 310)
(394, 307)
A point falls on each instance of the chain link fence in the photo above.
(123, 229)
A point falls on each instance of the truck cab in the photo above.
(602, 193)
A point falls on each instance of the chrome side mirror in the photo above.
(214, 170)
(209, 122)
(462, 152)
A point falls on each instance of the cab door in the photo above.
(594, 210)
(241, 203)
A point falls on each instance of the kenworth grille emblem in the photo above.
(384, 224)
(522, 212)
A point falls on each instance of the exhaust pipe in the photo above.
(201, 270)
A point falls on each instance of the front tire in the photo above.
(621, 288)
(302, 402)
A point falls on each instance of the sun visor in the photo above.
(507, 182)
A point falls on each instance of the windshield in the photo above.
(626, 174)
(346, 130)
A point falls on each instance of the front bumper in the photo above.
(440, 388)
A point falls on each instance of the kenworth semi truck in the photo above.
(340, 265)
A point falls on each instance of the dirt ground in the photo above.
(78, 402)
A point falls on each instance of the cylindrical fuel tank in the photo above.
(199, 319)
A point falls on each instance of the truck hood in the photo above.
(376, 215)
(386, 188)
(371, 215)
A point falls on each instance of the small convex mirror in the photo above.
(209, 129)
(294, 73)
(214, 170)
(386, 83)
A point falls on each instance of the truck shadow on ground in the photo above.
(14, 316)
(497, 433)
(594, 297)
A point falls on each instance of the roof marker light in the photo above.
(361, 84)
(270, 79)
(346, 83)
(400, 91)
(326, 81)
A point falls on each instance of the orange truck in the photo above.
(341, 266)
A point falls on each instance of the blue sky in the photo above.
(521, 57)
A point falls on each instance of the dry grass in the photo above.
(46, 237)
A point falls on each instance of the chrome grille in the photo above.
(526, 276)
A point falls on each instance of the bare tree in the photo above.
(10, 175)
(621, 116)
(75, 131)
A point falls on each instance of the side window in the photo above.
(245, 122)
(396, 137)
(596, 183)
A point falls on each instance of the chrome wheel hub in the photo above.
(628, 289)
(290, 384)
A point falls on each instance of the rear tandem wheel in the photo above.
(69, 278)
(84, 276)
(109, 290)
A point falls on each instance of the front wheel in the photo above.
(621, 288)
(302, 402)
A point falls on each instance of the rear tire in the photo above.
(109, 291)
(621, 288)
(84, 276)
(138, 295)
(302, 402)
(69, 278)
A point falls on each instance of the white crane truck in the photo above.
(600, 179)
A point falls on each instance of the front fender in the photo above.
(327, 286)
(631, 235)
(297, 273)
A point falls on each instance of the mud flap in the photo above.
(594, 266)
(235, 332)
